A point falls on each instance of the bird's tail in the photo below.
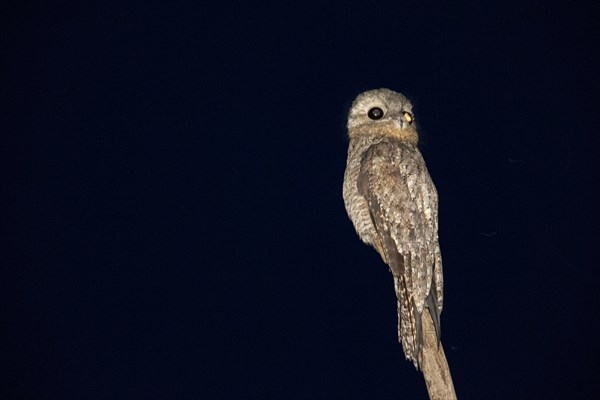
(409, 322)
(410, 325)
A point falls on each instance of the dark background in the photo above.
(173, 223)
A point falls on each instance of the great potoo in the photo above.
(393, 204)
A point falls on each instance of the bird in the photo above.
(393, 205)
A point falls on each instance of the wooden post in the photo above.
(434, 365)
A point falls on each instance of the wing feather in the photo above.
(403, 202)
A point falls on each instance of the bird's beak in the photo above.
(400, 122)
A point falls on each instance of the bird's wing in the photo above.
(402, 202)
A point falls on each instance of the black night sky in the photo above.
(173, 224)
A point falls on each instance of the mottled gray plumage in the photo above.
(393, 205)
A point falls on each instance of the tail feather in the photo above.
(410, 325)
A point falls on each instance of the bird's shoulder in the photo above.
(394, 173)
(390, 156)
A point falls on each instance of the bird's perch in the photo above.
(434, 365)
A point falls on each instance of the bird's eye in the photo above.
(375, 113)
(408, 117)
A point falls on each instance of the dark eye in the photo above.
(408, 117)
(375, 113)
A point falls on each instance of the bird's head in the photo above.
(382, 112)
